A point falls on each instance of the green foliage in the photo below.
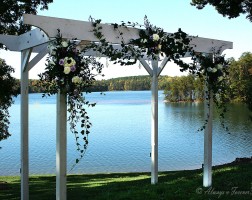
(122, 83)
(240, 79)
(177, 185)
(129, 83)
(11, 12)
(8, 90)
(152, 41)
(230, 8)
(184, 88)
(70, 72)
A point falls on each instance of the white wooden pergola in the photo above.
(36, 40)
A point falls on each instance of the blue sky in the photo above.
(168, 14)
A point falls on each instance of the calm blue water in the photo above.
(120, 137)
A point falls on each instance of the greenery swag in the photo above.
(70, 71)
(155, 43)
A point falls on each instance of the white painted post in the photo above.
(61, 193)
(154, 123)
(25, 56)
(207, 170)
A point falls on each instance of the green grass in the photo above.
(172, 185)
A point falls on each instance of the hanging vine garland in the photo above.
(69, 71)
(9, 89)
(152, 41)
(214, 71)
(155, 43)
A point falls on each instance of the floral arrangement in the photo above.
(69, 71)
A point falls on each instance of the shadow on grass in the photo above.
(172, 185)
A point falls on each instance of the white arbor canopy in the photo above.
(36, 41)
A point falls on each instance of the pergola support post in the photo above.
(61, 151)
(25, 56)
(208, 112)
(154, 123)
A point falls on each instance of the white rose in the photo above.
(51, 49)
(178, 40)
(78, 48)
(220, 78)
(214, 70)
(76, 79)
(219, 67)
(53, 53)
(67, 70)
(143, 40)
(51, 62)
(64, 43)
(209, 69)
(155, 37)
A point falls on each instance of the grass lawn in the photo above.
(231, 181)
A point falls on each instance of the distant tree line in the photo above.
(115, 84)
(184, 88)
(190, 88)
(181, 88)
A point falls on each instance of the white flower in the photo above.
(76, 79)
(51, 62)
(53, 53)
(159, 46)
(219, 66)
(155, 37)
(214, 70)
(51, 49)
(209, 69)
(178, 40)
(143, 40)
(67, 70)
(64, 43)
(78, 48)
(220, 78)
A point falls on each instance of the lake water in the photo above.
(120, 136)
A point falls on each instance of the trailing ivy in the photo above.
(69, 71)
(154, 43)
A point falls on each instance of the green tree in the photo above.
(240, 79)
(11, 12)
(184, 88)
(230, 8)
(8, 90)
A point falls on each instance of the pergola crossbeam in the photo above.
(83, 30)
(10, 41)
